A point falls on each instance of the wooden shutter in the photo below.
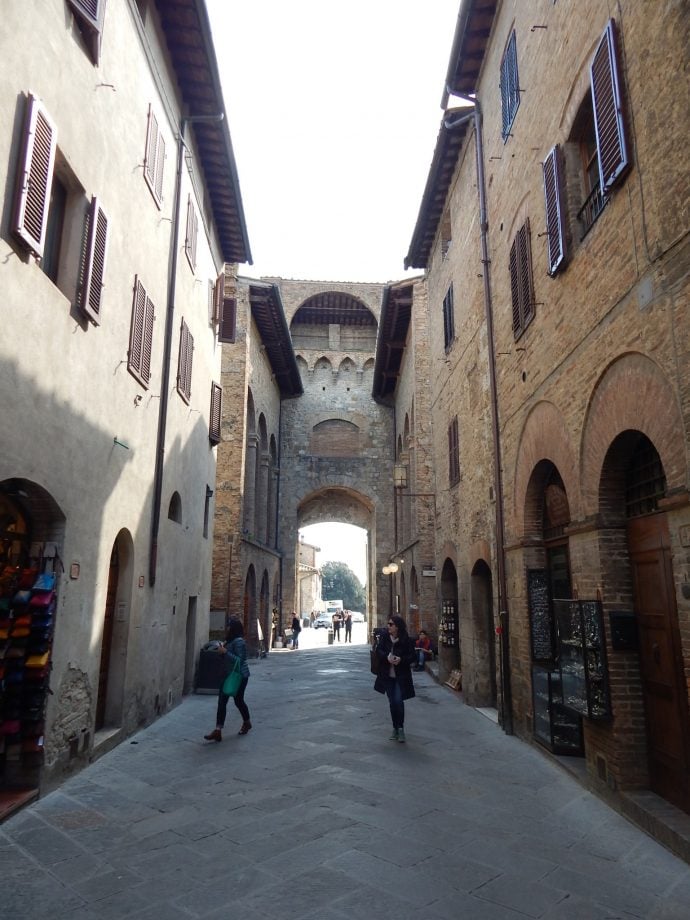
(521, 288)
(90, 15)
(218, 291)
(228, 321)
(612, 150)
(93, 274)
(555, 216)
(141, 335)
(34, 177)
(214, 423)
(192, 233)
(184, 364)
(154, 158)
(510, 90)
(448, 319)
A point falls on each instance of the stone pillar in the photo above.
(250, 485)
(262, 500)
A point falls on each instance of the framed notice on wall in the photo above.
(540, 617)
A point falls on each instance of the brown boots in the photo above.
(215, 735)
(245, 728)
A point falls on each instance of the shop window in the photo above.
(214, 422)
(510, 87)
(191, 234)
(521, 285)
(154, 160)
(448, 319)
(89, 15)
(453, 453)
(184, 364)
(141, 335)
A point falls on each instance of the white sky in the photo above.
(334, 110)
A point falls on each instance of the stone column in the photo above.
(250, 485)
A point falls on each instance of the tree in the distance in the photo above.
(339, 582)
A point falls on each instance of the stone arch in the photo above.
(175, 508)
(632, 394)
(347, 366)
(272, 491)
(251, 412)
(544, 437)
(249, 601)
(264, 612)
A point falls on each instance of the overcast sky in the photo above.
(334, 110)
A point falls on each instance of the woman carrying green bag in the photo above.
(235, 651)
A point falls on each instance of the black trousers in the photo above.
(239, 702)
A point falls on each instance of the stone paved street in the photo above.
(316, 815)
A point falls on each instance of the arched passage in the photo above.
(449, 651)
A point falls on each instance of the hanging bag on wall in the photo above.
(232, 682)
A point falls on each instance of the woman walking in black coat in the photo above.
(396, 655)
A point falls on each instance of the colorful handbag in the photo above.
(232, 682)
(41, 598)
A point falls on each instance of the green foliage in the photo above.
(339, 581)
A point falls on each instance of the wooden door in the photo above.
(661, 661)
(109, 619)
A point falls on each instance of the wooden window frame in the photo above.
(93, 268)
(184, 364)
(192, 233)
(453, 452)
(154, 158)
(215, 413)
(448, 319)
(141, 335)
(555, 211)
(90, 15)
(34, 177)
(521, 280)
(509, 86)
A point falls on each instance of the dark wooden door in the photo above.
(111, 594)
(660, 659)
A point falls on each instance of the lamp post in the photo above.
(390, 569)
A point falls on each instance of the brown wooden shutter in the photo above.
(34, 177)
(90, 15)
(555, 216)
(521, 287)
(192, 233)
(612, 150)
(214, 423)
(154, 158)
(141, 335)
(91, 288)
(184, 364)
(509, 85)
(228, 322)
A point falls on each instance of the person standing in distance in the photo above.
(296, 630)
(234, 649)
(396, 655)
(348, 626)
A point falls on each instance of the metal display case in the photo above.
(555, 726)
(582, 657)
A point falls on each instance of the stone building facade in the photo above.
(121, 206)
(556, 215)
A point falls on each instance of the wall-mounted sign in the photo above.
(430, 573)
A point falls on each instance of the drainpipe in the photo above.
(167, 344)
(503, 629)
(279, 624)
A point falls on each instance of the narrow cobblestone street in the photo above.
(316, 814)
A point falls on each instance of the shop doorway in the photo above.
(113, 661)
(107, 641)
(485, 636)
(190, 647)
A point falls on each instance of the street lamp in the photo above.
(390, 569)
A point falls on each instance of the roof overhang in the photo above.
(188, 36)
(472, 31)
(269, 316)
(396, 310)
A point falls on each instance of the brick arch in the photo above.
(632, 394)
(544, 437)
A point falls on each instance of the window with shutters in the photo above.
(92, 274)
(184, 364)
(154, 158)
(448, 319)
(89, 16)
(191, 233)
(555, 211)
(453, 453)
(214, 421)
(227, 326)
(141, 335)
(510, 87)
(521, 287)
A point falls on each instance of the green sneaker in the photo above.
(401, 735)
(394, 735)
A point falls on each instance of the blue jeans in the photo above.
(394, 694)
(421, 657)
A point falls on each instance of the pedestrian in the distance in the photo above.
(423, 650)
(296, 630)
(348, 626)
(235, 649)
(396, 655)
(337, 623)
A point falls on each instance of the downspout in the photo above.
(279, 624)
(504, 619)
(167, 346)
